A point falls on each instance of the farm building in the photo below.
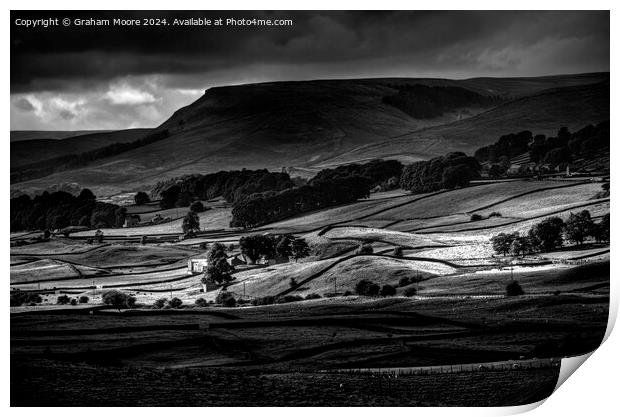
(131, 220)
(196, 265)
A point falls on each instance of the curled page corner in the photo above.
(569, 366)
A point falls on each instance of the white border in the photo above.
(592, 391)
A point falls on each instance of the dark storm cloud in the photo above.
(44, 58)
(90, 71)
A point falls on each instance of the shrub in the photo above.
(387, 291)
(312, 296)
(398, 251)
(366, 287)
(262, 301)
(197, 207)
(201, 302)
(495, 214)
(118, 299)
(160, 303)
(175, 302)
(475, 217)
(365, 249)
(226, 299)
(63, 299)
(410, 292)
(83, 299)
(73, 302)
(514, 289)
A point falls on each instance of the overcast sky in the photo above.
(121, 77)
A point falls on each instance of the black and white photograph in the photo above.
(306, 208)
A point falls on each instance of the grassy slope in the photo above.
(305, 124)
(544, 113)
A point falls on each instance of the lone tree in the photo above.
(218, 269)
(514, 289)
(118, 299)
(300, 248)
(578, 227)
(141, 198)
(191, 223)
(547, 235)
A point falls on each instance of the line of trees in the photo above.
(259, 209)
(453, 170)
(232, 185)
(59, 209)
(551, 233)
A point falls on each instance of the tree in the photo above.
(602, 229)
(141, 198)
(255, 246)
(175, 302)
(300, 248)
(284, 246)
(160, 303)
(86, 195)
(83, 299)
(456, 176)
(191, 223)
(366, 287)
(63, 299)
(387, 291)
(227, 299)
(218, 272)
(502, 242)
(197, 207)
(169, 197)
(547, 235)
(520, 246)
(579, 226)
(200, 302)
(514, 289)
(118, 299)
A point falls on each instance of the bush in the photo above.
(160, 303)
(398, 251)
(387, 291)
(201, 302)
(226, 299)
(292, 283)
(366, 287)
(175, 302)
(263, 301)
(495, 214)
(410, 292)
(475, 218)
(197, 207)
(514, 289)
(73, 302)
(312, 296)
(118, 299)
(63, 299)
(365, 249)
(83, 299)
(289, 299)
